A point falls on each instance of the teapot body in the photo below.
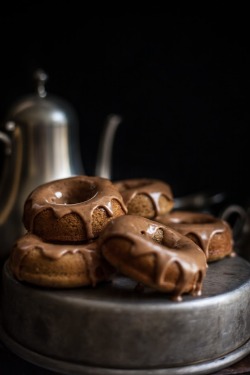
(43, 134)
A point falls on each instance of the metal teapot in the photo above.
(41, 141)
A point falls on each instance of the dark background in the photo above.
(179, 80)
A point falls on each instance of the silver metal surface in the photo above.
(104, 157)
(114, 329)
(68, 368)
(41, 144)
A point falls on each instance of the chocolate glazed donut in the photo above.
(212, 234)
(72, 209)
(146, 197)
(58, 265)
(154, 255)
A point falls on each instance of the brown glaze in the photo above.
(210, 233)
(154, 255)
(25, 245)
(152, 188)
(79, 195)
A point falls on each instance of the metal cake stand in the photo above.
(115, 329)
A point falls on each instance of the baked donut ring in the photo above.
(213, 235)
(57, 266)
(154, 255)
(72, 209)
(146, 197)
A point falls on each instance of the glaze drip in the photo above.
(29, 242)
(202, 226)
(85, 193)
(153, 189)
(175, 249)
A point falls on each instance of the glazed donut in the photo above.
(57, 265)
(72, 209)
(146, 197)
(154, 255)
(212, 234)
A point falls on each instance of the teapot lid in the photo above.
(40, 107)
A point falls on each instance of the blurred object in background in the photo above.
(223, 205)
(41, 139)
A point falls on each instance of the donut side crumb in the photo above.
(67, 228)
(143, 205)
(70, 270)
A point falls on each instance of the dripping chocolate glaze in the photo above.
(60, 196)
(201, 225)
(29, 242)
(175, 248)
(154, 189)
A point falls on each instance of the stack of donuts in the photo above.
(82, 230)
(63, 219)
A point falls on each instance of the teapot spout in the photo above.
(104, 156)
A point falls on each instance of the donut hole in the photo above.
(192, 219)
(204, 221)
(197, 220)
(132, 184)
(68, 193)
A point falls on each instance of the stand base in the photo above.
(113, 329)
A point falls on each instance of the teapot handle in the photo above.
(236, 216)
(9, 179)
(9, 126)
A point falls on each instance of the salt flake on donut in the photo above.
(154, 255)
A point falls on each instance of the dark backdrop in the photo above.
(180, 81)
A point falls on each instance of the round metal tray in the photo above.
(114, 329)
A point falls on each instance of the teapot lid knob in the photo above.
(41, 78)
